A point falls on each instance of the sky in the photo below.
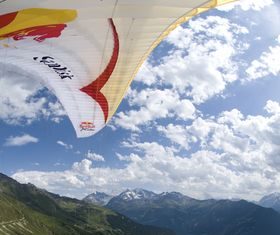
(202, 117)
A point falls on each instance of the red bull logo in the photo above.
(39, 24)
(87, 126)
(39, 33)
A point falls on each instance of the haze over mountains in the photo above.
(186, 215)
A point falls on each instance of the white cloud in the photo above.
(57, 164)
(154, 104)
(20, 100)
(267, 64)
(278, 39)
(55, 112)
(94, 157)
(241, 161)
(246, 5)
(16, 99)
(272, 107)
(177, 134)
(127, 158)
(203, 63)
(200, 66)
(66, 146)
(233, 117)
(239, 156)
(150, 148)
(20, 140)
(203, 174)
(146, 75)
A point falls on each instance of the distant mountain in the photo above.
(271, 201)
(26, 209)
(136, 194)
(98, 198)
(188, 216)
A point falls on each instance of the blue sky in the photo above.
(202, 117)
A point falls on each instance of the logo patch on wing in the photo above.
(36, 23)
(87, 126)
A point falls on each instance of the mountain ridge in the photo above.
(98, 198)
(186, 215)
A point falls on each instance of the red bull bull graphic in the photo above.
(32, 23)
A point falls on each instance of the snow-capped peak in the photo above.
(136, 194)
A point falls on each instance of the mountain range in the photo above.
(188, 216)
(26, 209)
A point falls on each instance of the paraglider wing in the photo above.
(87, 52)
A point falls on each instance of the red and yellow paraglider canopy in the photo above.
(88, 51)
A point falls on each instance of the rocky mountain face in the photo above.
(98, 198)
(185, 215)
(271, 201)
(26, 209)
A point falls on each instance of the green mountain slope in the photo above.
(25, 209)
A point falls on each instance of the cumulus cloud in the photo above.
(20, 140)
(94, 157)
(126, 158)
(20, 99)
(154, 104)
(146, 74)
(66, 146)
(239, 157)
(203, 63)
(247, 5)
(250, 142)
(272, 107)
(278, 39)
(234, 155)
(54, 111)
(202, 174)
(199, 66)
(177, 134)
(267, 64)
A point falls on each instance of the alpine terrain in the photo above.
(186, 215)
(26, 209)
